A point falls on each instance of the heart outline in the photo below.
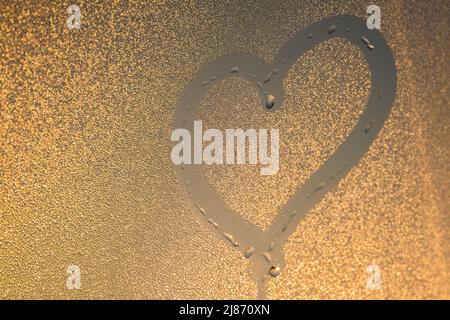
(383, 89)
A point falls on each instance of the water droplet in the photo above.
(310, 35)
(274, 271)
(249, 252)
(213, 78)
(234, 69)
(259, 85)
(270, 101)
(291, 216)
(230, 238)
(319, 186)
(204, 83)
(269, 76)
(267, 256)
(200, 208)
(331, 29)
(227, 235)
(367, 42)
(271, 246)
(338, 172)
(368, 126)
(215, 224)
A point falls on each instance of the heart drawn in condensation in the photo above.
(264, 247)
